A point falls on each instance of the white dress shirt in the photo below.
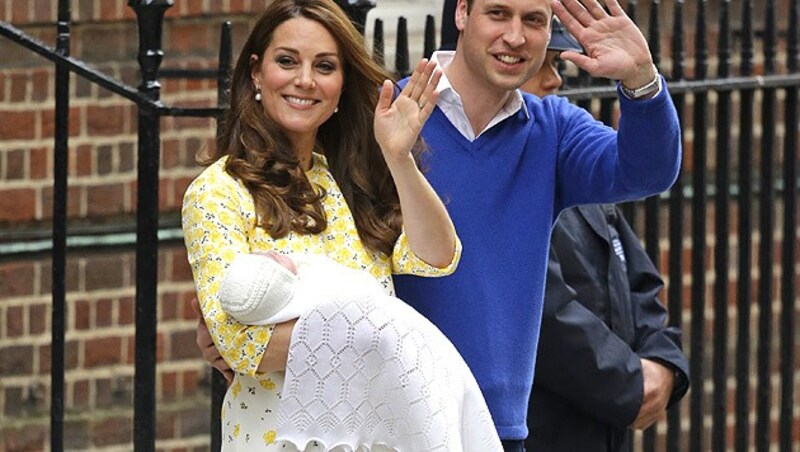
(452, 107)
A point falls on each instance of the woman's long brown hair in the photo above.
(261, 156)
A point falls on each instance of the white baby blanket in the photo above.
(370, 371)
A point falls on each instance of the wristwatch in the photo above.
(653, 86)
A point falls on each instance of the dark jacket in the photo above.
(601, 316)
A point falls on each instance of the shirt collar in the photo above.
(450, 99)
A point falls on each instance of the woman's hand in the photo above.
(277, 352)
(398, 123)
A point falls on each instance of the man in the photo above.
(508, 163)
(601, 310)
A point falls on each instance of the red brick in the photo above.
(47, 120)
(105, 272)
(103, 393)
(40, 81)
(194, 421)
(102, 352)
(17, 125)
(115, 430)
(15, 164)
(45, 358)
(128, 14)
(169, 306)
(188, 38)
(16, 360)
(40, 164)
(19, 87)
(169, 386)
(127, 158)
(166, 427)
(181, 271)
(29, 437)
(14, 401)
(38, 319)
(112, 40)
(236, 6)
(44, 11)
(191, 382)
(83, 315)
(17, 204)
(2, 83)
(15, 321)
(104, 121)
(76, 434)
(74, 201)
(85, 10)
(104, 313)
(131, 348)
(183, 345)
(126, 311)
(163, 197)
(20, 11)
(170, 153)
(109, 10)
(106, 199)
(81, 161)
(105, 159)
(195, 8)
(16, 278)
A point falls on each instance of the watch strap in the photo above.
(654, 86)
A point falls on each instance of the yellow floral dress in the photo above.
(219, 222)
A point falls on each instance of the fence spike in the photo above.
(401, 49)
(377, 42)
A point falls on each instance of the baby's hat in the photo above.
(255, 287)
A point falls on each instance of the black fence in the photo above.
(742, 136)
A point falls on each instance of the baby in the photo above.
(270, 288)
(365, 371)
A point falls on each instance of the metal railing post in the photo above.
(763, 432)
(724, 119)
(676, 201)
(218, 384)
(744, 271)
(789, 250)
(357, 11)
(150, 17)
(59, 291)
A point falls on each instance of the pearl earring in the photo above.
(336, 109)
(258, 94)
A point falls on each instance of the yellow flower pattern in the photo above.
(219, 222)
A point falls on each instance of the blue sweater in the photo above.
(503, 192)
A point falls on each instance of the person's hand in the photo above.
(206, 344)
(397, 124)
(614, 46)
(658, 383)
(277, 352)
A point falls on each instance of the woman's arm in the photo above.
(430, 232)
(217, 214)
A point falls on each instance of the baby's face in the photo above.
(283, 260)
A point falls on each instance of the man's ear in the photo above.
(461, 14)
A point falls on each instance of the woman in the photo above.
(313, 158)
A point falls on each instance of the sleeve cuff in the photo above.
(405, 262)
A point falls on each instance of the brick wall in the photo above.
(102, 189)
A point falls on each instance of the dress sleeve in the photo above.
(405, 262)
(216, 216)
